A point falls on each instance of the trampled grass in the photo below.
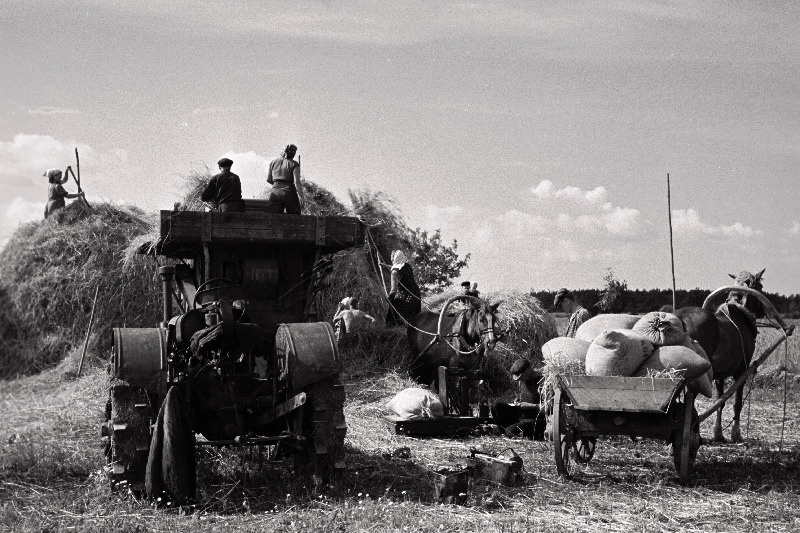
(51, 478)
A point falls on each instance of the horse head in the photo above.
(481, 325)
(751, 281)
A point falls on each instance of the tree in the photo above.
(435, 264)
(612, 297)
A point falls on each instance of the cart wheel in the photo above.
(686, 442)
(583, 448)
(562, 436)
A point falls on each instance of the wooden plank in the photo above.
(623, 394)
(448, 426)
(183, 227)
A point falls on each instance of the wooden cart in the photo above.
(586, 407)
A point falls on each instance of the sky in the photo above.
(539, 135)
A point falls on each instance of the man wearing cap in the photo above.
(224, 190)
(578, 314)
(284, 176)
(523, 416)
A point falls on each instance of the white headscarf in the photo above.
(398, 259)
(50, 174)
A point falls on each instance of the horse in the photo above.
(465, 338)
(728, 336)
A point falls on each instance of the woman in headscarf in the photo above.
(56, 193)
(404, 295)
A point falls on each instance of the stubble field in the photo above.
(51, 473)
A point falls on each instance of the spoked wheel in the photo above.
(583, 448)
(563, 440)
(686, 442)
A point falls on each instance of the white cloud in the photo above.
(795, 229)
(571, 195)
(689, 223)
(50, 110)
(252, 170)
(21, 210)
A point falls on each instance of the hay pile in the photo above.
(49, 271)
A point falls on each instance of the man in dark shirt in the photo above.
(523, 416)
(224, 190)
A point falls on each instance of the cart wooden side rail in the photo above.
(586, 407)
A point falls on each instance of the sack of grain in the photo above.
(675, 358)
(663, 329)
(600, 323)
(415, 404)
(703, 384)
(618, 352)
(564, 350)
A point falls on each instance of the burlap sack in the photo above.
(617, 352)
(600, 323)
(703, 384)
(663, 329)
(675, 357)
(414, 404)
(564, 350)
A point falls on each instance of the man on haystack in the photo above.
(522, 417)
(224, 190)
(578, 314)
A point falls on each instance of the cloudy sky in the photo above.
(538, 134)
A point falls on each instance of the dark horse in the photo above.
(728, 336)
(465, 337)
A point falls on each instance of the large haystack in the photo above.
(49, 271)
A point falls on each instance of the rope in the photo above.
(436, 336)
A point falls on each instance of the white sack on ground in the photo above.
(600, 323)
(415, 404)
(677, 358)
(565, 350)
(617, 353)
(663, 329)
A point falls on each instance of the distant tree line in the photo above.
(615, 297)
(640, 301)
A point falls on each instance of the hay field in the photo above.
(51, 477)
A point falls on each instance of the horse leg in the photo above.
(736, 433)
(718, 436)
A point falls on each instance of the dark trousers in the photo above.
(284, 201)
(235, 206)
(528, 419)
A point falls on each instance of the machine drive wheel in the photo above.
(324, 427)
(563, 440)
(129, 415)
(689, 435)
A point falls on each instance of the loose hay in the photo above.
(49, 271)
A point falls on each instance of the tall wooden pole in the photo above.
(671, 249)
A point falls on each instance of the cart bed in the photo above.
(620, 394)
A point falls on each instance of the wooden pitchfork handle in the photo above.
(77, 181)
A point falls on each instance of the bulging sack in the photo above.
(415, 404)
(677, 358)
(565, 350)
(703, 384)
(662, 329)
(617, 353)
(600, 323)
